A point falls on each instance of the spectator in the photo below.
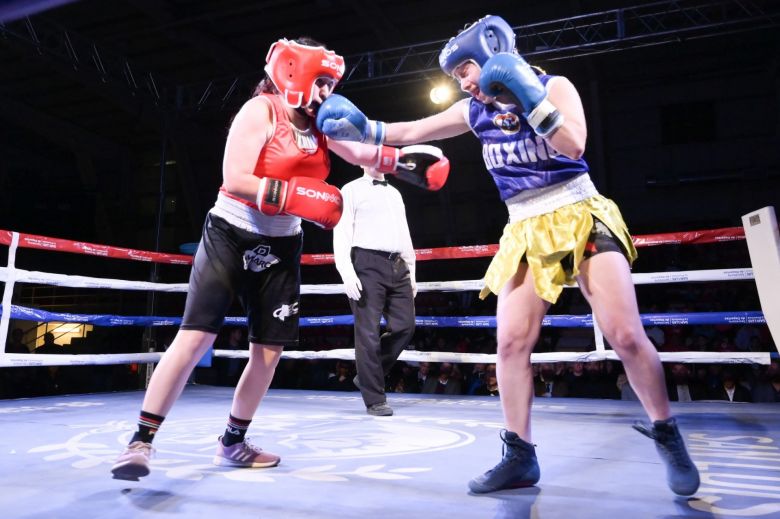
(341, 378)
(700, 343)
(743, 339)
(476, 379)
(596, 385)
(399, 386)
(550, 381)
(49, 346)
(576, 380)
(730, 389)
(682, 387)
(768, 387)
(463, 344)
(49, 378)
(16, 344)
(712, 377)
(423, 374)
(723, 345)
(445, 384)
(490, 387)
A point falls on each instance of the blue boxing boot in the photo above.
(682, 476)
(517, 469)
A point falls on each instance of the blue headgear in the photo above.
(478, 42)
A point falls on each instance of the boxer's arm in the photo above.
(248, 134)
(443, 125)
(340, 119)
(355, 153)
(571, 137)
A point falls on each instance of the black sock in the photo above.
(235, 431)
(148, 424)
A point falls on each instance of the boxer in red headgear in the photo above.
(297, 70)
(274, 171)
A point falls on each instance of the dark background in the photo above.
(94, 95)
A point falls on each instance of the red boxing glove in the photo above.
(308, 198)
(422, 165)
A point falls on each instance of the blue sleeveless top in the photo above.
(515, 156)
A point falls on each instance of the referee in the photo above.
(375, 258)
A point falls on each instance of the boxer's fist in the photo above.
(422, 165)
(507, 73)
(305, 197)
(341, 120)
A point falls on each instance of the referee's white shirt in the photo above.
(374, 217)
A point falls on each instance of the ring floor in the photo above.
(338, 462)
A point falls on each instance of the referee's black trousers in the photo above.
(387, 290)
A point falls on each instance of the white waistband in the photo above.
(250, 219)
(533, 202)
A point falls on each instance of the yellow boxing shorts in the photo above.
(545, 241)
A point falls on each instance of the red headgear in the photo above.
(294, 69)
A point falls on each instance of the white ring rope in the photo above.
(26, 359)
(64, 280)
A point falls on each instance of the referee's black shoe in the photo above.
(380, 409)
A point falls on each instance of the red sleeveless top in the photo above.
(281, 158)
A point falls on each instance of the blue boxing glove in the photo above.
(509, 73)
(341, 120)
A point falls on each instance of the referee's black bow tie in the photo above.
(379, 182)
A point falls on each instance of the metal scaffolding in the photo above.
(596, 33)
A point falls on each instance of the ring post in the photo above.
(763, 240)
(8, 292)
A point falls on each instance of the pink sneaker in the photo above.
(244, 454)
(133, 463)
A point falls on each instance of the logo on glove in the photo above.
(318, 195)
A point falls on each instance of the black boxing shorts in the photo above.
(601, 240)
(262, 271)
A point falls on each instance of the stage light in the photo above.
(441, 94)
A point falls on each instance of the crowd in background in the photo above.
(602, 379)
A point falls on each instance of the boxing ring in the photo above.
(339, 462)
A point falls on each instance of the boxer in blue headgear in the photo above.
(561, 230)
(478, 42)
